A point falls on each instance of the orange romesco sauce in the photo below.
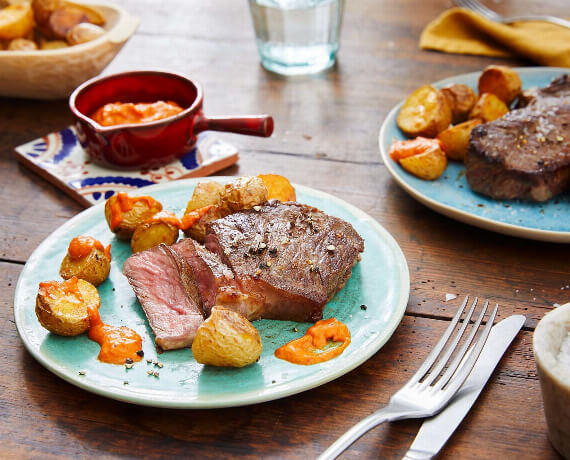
(81, 246)
(69, 288)
(125, 113)
(404, 149)
(117, 343)
(165, 216)
(313, 348)
(124, 203)
(188, 220)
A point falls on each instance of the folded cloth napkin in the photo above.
(462, 31)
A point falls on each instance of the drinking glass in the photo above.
(296, 37)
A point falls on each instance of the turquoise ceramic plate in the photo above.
(450, 194)
(380, 281)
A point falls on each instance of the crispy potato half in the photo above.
(488, 108)
(461, 99)
(226, 339)
(243, 193)
(428, 165)
(455, 139)
(160, 228)
(61, 306)
(278, 187)
(16, 21)
(22, 44)
(404, 149)
(86, 259)
(424, 113)
(195, 222)
(124, 214)
(206, 193)
(502, 81)
(84, 32)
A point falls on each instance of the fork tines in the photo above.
(430, 373)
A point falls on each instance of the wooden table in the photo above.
(326, 137)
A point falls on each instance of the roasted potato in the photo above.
(455, 139)
(83, 33)
(424, 113)
(488, 108)
(407, 148)
(243, 193)
(16, 21)
(22, 44)
(195, 222)
(61, 306)
(428, 165)
(86, 259)
(44, 8)
(53, 44)
(62, 20)
(226, 339)
(461, 99)
(124, 214)
(502, 81)
(206, 193)
(93, 16)
(160, 228)
(278, 187)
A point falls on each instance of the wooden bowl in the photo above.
(54, 74)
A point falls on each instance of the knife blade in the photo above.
(435, 431)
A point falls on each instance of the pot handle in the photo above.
(252, 125)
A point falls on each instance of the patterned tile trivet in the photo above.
(59, 158)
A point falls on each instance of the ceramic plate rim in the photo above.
(456, 213)
(240, 399)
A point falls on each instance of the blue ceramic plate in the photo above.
(450, 194)
(380, 281)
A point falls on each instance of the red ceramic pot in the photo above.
(146, 145)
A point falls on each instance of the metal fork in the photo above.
(474, 5)
(424, 394)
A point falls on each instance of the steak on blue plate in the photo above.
(526, 153)
(291, 257)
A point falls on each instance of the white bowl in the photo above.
(54, 74)
(551, 344)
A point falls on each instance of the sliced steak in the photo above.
(288, 257)
(215, 280)
(164, 284)
(526, 153)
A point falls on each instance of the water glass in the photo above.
(296, 37)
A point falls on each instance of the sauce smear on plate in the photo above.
(117, 343)
(317, 345)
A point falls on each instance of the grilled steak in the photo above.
(559, 87)
(215, 281)
(289, 258)
(526, 153)
(164, 284)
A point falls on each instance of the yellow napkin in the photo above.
(462, 31)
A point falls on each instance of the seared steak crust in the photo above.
(292, 256)
(526, 153)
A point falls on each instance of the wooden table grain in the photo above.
(325, 137)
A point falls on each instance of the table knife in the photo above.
(435, 431)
